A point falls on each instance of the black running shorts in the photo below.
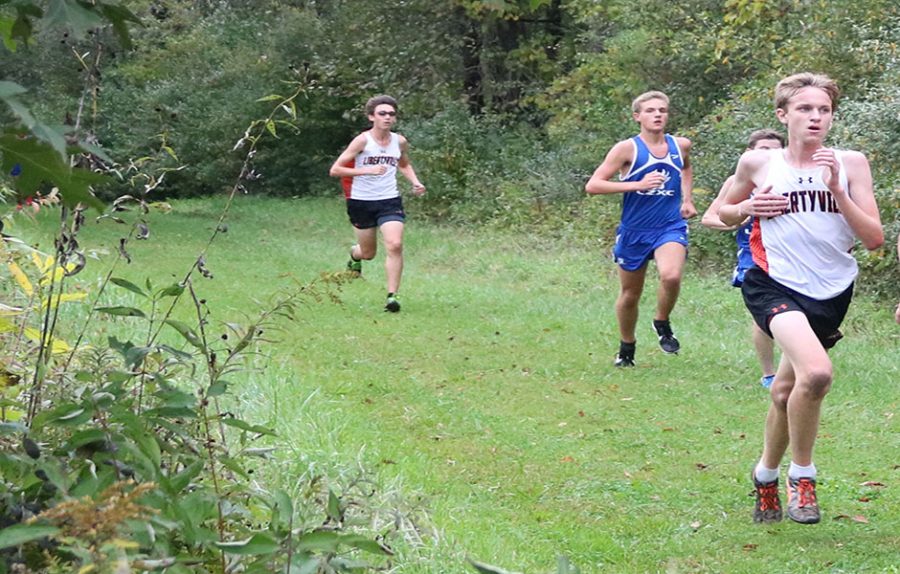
(369, 214)
(765, 298)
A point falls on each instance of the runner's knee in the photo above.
(670, 279)
(629, 297)
(366, 253)
(393, 246)
(816, 383)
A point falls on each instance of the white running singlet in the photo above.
(375, 187)
(808, 248)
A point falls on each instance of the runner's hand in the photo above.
(831, 175)
(653, 180)
(764, 203)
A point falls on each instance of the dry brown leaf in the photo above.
(857, 518)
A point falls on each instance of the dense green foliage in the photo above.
(546, 83)
(509, 105)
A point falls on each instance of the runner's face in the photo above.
(808, 115)
(384, 117)
(653, 115)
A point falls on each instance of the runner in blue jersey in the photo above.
(765, 351)
(655, 178)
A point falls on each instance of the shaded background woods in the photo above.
(508, 104)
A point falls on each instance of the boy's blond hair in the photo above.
(646, 96)
(788, 87)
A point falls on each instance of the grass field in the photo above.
(486, 420)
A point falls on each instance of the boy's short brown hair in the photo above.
(764, 134)
(788, 87)
(646, 96)
(376, 101)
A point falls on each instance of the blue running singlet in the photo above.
(654, 208)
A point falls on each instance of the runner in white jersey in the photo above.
(371, 163)
(383, 185)
(812, 203)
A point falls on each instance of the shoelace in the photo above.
(768, 497)
(806, 493)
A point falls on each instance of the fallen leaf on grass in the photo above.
(857, 518)
(750, 547)
(873, 483)
(567, 459)
(701, 466)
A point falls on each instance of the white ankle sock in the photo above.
(796, 471)
(764, 474)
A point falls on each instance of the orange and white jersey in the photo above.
(375, 187)
(808, 247)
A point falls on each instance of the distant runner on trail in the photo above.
(810, 204)
(656, 181)
(765, 351)
(372, 160)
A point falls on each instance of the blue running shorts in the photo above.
(633, 249)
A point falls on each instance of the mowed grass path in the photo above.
(491, 404)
